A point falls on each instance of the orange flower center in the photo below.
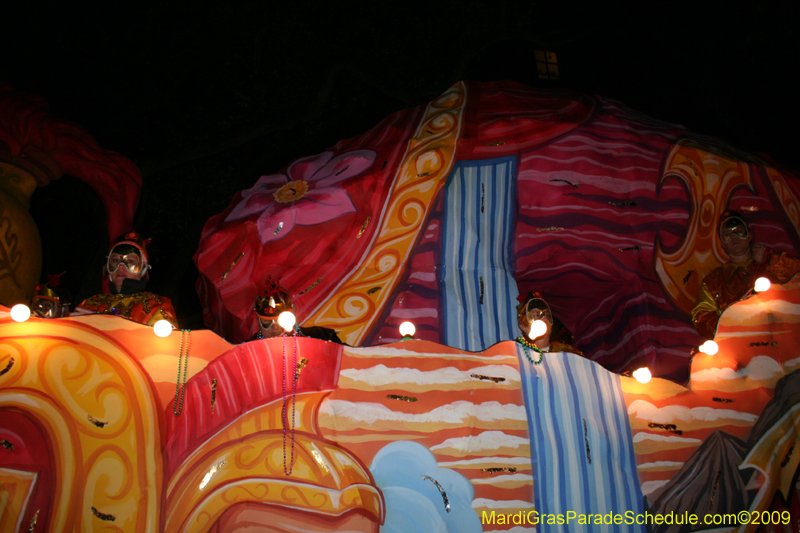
(294, 190)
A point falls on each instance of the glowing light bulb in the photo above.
(538, 328)
(407, 329)
(709, 348)
(762, 285)
(20, 313)
(642, 375)
(287, 320)
(162, 328)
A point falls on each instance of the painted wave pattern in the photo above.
(475, 411)
(589, 209)
(509, 428)
(508, 118)
(589, 215)
(404, 392)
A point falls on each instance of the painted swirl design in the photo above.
(109, 466)
(352, 309)
(710, 180)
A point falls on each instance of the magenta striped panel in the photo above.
(248, 376)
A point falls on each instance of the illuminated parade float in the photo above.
(447, 216)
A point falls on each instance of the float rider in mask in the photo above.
(274, 300)
(125, 278)
(533, 308)
(733, 281)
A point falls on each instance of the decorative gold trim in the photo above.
(714, 490)
(693, 164)
(233, 264)
(438, 485)
(672, 428)
(401, 398)
(103, 516)
(488, 378)
(310, 287)
(586, 439)
(96, 422)
(300, 366)
(8, 367)
(320, 461)
(364, 227)
(213, 394)
(723, 400)
(565, 181)
(495, 470)
(428, 161)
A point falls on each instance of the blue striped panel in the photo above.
(478, 245)
(560, 394)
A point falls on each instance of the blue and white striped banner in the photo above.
(581, 445)
(480, 293)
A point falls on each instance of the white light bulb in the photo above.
(762, 285)
(162, 328)
(642, 375)
(287, 320)
(538, 328)
(20, 313)
(407, 329)
(709, 348)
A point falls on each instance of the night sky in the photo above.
(207, 99)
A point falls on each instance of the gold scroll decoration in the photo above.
(20, 246)
(244, 464)
(65, 372)
(16, 487)
(710, 180)
(350, 309)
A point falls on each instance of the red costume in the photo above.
(128, 259)
(730, 282)
(142, 307)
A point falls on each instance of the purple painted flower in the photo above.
(308, 194)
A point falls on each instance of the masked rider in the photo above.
(49, 301)
(734, 280)
(274, 300)
(124, 286)
(532, 308)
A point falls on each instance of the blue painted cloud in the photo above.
(417, 492)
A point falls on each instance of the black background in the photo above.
(207, 98)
